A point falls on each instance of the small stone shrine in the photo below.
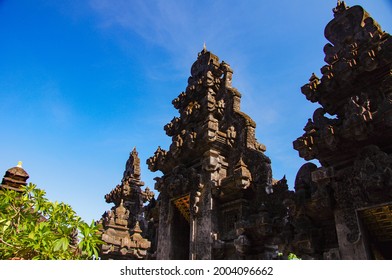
(122, 226)
(14, 178)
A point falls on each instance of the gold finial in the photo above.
(204, 47)
(19, 164)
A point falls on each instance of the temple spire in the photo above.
(122, 235)
(340, 7)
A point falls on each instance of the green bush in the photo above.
(293, 256)
(32, 227)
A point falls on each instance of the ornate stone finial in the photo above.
(242, 174)
(122, 205)
(241, 163)
(313, 78)
(340, 8)
(132, 167)
(137, 228)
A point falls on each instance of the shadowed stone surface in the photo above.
(354, 146)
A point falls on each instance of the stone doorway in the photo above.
(376, 223)
(181, 228)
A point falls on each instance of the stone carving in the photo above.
(354, 36)
(157, 160)
(214, 157)
(370, 183)
(121, 230)
(352, 145)
(217, 198)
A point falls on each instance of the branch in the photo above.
(10, 245)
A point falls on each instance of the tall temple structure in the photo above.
(217, 198)
(215, 173)
(122, 226)
(351, 136)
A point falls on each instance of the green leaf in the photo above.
(31, 235)
(61, 243)
(293, 256)
(6, 225)
(22, 225)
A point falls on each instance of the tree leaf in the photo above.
(6, 225)
(40, 229)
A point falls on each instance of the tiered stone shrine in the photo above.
(14, 178)
(122, 231)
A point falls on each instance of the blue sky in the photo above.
(83, 82)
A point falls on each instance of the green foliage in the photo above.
(293, 256)
(32, 227)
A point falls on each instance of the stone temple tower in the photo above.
(353, 186)
(215, 173)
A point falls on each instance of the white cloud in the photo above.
(181, 27)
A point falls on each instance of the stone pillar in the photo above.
(165, 217)
(203, 227)
(348, 250)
